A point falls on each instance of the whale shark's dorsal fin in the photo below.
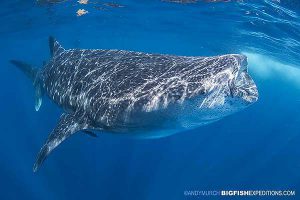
(55, 48)
(68, 125)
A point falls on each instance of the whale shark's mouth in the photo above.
(242, 85)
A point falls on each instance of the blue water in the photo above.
(256, 149)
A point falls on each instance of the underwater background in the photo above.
(256, 149)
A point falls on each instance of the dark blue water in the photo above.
(256, 149)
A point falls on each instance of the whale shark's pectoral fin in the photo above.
(67, 126)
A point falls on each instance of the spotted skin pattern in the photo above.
(132, 92)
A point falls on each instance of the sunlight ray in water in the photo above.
(265, 68)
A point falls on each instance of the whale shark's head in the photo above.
(242, 87)
(193, 92)
(228, 90)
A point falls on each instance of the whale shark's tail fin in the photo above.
(32, 74)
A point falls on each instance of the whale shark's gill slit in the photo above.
(66, 127)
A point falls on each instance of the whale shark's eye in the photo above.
(76, 62)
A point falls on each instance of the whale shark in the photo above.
(136, 94)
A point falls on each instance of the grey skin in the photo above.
(137, 94)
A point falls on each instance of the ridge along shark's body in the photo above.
(137, 94)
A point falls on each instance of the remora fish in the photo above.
(137, 94)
